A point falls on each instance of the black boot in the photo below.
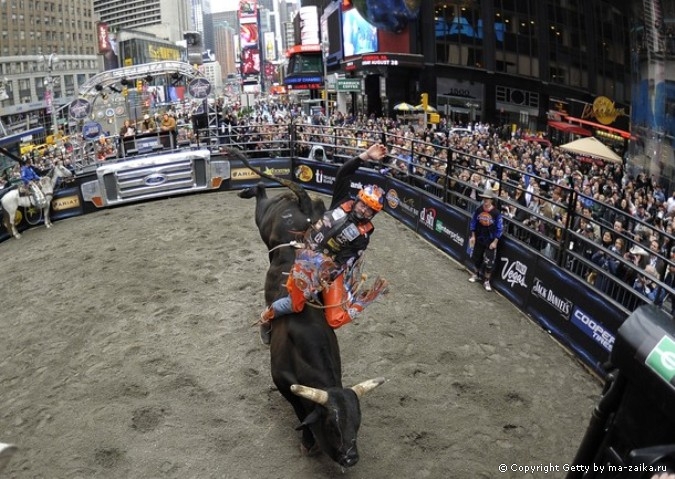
(266, 333)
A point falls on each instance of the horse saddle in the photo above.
(35, 193)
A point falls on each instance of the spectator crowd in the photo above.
(617, 226)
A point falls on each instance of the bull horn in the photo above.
(318, 396)
(362, 388)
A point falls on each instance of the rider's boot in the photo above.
(266, 318)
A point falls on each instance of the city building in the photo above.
(201, 14)
(47, 50)
(165, 19)
(213, 73)
(505, 60)
(554, 66)
(225, 27)
(652, 65)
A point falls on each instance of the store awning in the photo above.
(569, 128)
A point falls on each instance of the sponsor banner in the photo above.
(593, 328)
(319, 176)
(242, 177)
(92, 130)
(403, 203)
(66, 203)
(250, 61)
(575, 314)
(513, 273)
(443, 227)
(315, 176)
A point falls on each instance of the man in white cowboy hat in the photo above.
(486, 226)
(148, 124)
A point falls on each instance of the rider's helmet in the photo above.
(373, 197)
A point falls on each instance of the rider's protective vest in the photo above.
(336, 230)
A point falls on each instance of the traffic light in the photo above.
(425, 101)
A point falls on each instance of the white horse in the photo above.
(12, 200)
(6, 452)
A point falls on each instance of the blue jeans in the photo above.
(282, 306)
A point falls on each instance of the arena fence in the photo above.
(551, 263)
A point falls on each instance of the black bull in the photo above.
(305, 355)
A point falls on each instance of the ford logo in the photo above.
(154, 179)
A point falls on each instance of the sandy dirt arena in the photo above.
(127, 351)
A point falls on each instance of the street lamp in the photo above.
(50, 60)
(324, 51)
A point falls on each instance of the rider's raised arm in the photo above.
(376, 152)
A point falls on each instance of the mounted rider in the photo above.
(329, 261)
(31, 183)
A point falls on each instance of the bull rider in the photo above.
(333, 246)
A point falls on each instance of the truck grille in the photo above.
(155, 176)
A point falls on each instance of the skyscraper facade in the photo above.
(225, 27)
(166, 19)
(47, 50)
(529, 63)
(652, 66)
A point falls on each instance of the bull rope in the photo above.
(297, 244)
(294, 244)
(318, 305)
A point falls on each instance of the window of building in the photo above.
(557, 75)
(459, 33)
(305, 63)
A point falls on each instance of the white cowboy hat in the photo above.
(487, 194)
(637, 250)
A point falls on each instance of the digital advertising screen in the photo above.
(358, 35)
(248, 34)
(250, 61)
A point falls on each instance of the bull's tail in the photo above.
(304, 201)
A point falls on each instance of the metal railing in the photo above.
(446, 173)
(550, 226)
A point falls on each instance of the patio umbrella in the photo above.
(591, 146)
(404, 107)
(430, 109)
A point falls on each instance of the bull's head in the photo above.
(335, 423)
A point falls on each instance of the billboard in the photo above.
(248, 34)
(358, 35)
(107, 46)
(270, 45)
(249, 41)
(309, 26)
(248, 9)
(250, 61)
